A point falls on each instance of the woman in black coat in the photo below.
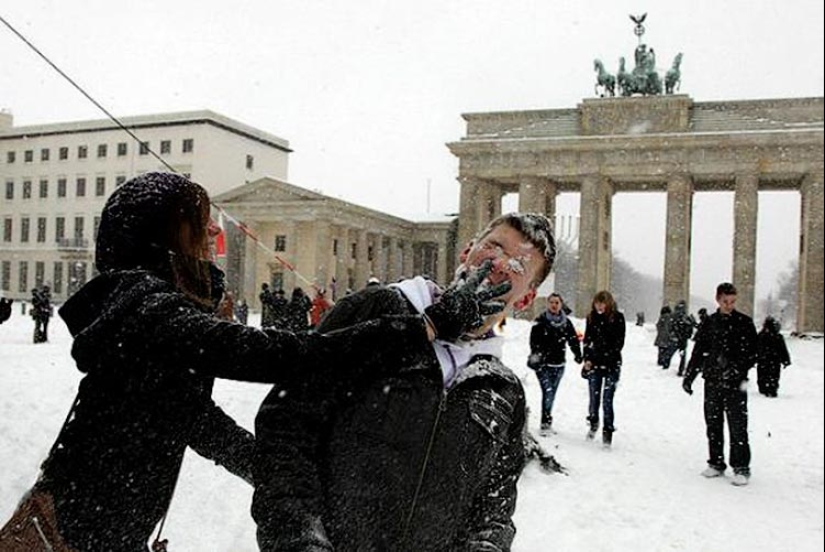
(550, 336)
(149, 345)
(603, 344)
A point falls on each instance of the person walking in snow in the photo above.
(663, 341)
(420, 455)
(41, 312)
(604, 337)
(681, 330)
(724, 352)
(150, 346)
(550, 336)
(771, 358)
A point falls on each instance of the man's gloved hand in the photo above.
(687, 385)
(464, 306)
(578, 360)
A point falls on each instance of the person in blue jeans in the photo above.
(551, 334)
(603, 344)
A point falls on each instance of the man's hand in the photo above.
(464, 306)
(687, 385)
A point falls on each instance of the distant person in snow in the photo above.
(41, 312)
(603, 343)
(725, 351)
(663, 342)
(425, 457)
(150, 346)
(551, 334)
(681, 330)
(771, 358)
(5, 309)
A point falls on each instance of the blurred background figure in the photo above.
(771, 357)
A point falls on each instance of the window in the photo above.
(27, 189)
(44, 188)
(61, 187)
(280, 243)
(144, 148)
(188, 145)
(77, 275)
(28, 156)
(96, 226)
(23, 282)
(5, 276)
(80, 188)
(39, 273)
(120, 180)
(82, 152)
(44, 154)
(250, 162)
(11, 156)
(166, 146)
(102, 150)
(59, 229)
(24, 229)
(122, 149)
(354, 250)
(7, 228)
(100, 186)
(57, 280)
(41, 229)
(63, 153)
(78, 228)
(335, 247)
(9, 189)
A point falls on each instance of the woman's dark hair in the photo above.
(605, 297)
(157, 222)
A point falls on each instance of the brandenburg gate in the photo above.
(666, 143)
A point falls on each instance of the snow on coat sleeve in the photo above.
(217, 437)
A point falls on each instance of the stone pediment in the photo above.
(267, 190)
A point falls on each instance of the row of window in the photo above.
(122, 149)
(40, 231)
(73, 274)
(80, 187)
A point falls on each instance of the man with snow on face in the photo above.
(425, 456)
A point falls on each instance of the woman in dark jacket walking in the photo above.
(603, 344)
(771, 357)
(663, 341)
(148, 341)
(549, 337)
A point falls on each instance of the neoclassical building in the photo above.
(306, 239)
(657, 143)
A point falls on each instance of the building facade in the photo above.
(658, 143)
(56, 178)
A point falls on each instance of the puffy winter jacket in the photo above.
(604, 340)
(548, 343)
(725, 349)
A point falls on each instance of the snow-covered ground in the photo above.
(645, 494)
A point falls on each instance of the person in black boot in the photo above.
(552, 333)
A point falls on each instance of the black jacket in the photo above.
(725, 349)
(604, 340)
(771, 349)
(338, 465)
(547, 343)
(149, 356)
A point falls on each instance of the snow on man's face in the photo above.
(514, 258)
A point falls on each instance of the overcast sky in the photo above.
(369, 92)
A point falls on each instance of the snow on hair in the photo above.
(538, 230)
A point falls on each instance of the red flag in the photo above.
(220, 239)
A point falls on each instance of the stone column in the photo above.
(252, 282)
(594, 240)
(484, 205)
(292, 232)
(393, 272)
(441, 263)
(407, 260)
(323, 254)
(809, 313)
(745, 209)
(532, 194)
(380, 263)
(677, 239)
(467, 211)
(362, 263)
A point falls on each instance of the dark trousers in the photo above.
(665, 354)
(721, 402)
(602, 384)
(549, 379)
(41, 330)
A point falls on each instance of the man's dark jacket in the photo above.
(347, 481)
(548, 341)
(725, 349)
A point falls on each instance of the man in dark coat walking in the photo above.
(725, 351)
(424, 455)
(41, 312)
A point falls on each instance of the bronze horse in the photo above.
(604, 79)
(673, 77)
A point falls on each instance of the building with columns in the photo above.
(56, 178)
(657, 143)
(310, 240)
